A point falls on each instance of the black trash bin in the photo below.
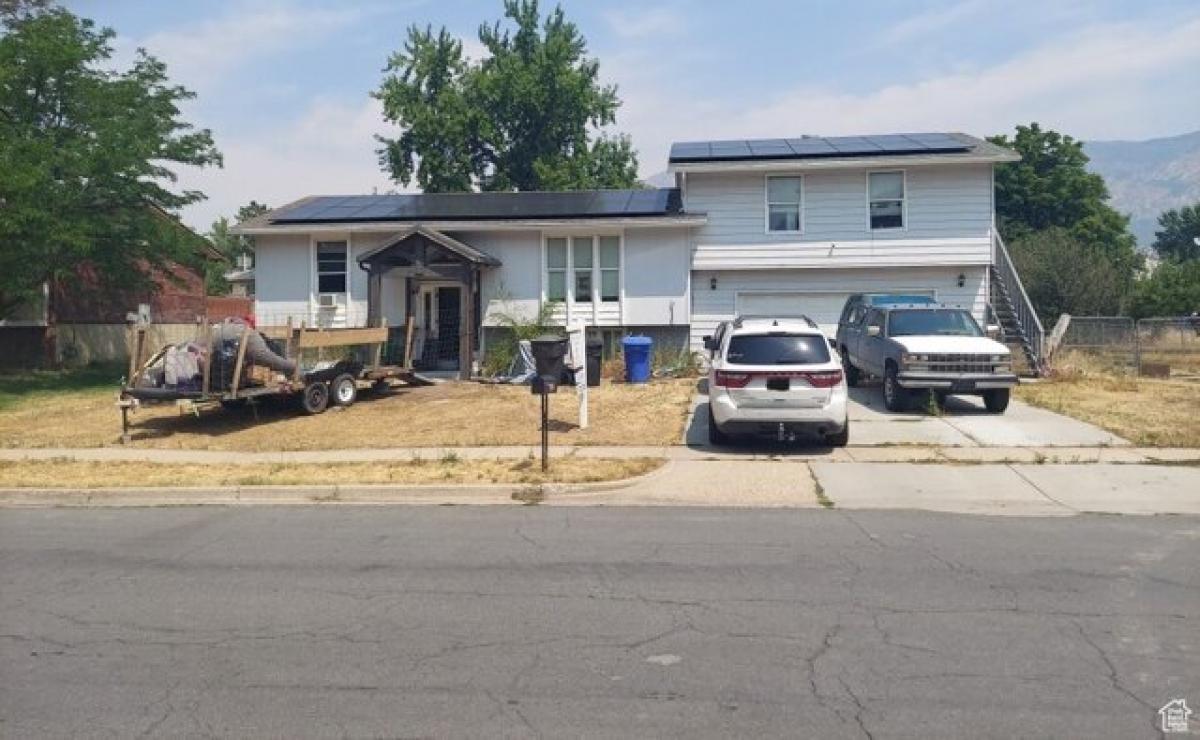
(595, 355)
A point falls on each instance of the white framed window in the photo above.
(785, 203)
(610, 269)
(556, 269)
(885, 200)
(331, 267)
(583, 269)
(583, 264)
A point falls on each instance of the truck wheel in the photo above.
(997, 400)
(853, 376)
(715, 435)
(233, 404)
(344, 389)
(841, 439)
(315, 398)
(895, 398)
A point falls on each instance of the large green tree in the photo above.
(1051, 187)
(1172, 289)
(529, 116)
(86, 157)
(230, 245)
(1064, 275)
(1178, 234)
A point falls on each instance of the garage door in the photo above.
(823, 307)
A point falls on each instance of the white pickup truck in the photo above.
(925, 348)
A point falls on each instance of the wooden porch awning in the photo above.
(421, 246)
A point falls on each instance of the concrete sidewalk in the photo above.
(753, 451)
(989, 488)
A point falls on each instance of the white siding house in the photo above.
(771, 226)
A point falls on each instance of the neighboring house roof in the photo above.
(240, 275)
(950, 146)
(474, 208)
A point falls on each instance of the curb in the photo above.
(382, 494)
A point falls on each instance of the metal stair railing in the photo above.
(1018, 301)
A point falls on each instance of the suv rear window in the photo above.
(777, 349)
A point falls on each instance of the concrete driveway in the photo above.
(963, 423)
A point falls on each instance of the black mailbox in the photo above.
(549, 352)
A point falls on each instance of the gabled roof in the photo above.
(469, 207)
(466, 251)
(924, 145)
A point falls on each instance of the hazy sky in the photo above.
(284, 84)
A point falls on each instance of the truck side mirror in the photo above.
(874, 331)
(993, 331)
(708, 343)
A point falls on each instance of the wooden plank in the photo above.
(409, 325)
(295, 345)
(342, 337)
(139, 350)
(277, 332)
(378, 357)
(241, 358)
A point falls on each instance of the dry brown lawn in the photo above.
(446, 415)
(442, 470)
(1147, 412)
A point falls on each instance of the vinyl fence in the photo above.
(1166, 346)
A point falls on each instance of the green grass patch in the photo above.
(22, 385)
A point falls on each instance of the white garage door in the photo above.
(823, 307)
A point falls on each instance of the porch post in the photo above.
(374, 296)
(465, 319)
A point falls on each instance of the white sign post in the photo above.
(577, 339)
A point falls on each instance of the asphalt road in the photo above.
(555, 622)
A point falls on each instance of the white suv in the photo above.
(775, 376)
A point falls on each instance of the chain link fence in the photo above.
(1159, 347)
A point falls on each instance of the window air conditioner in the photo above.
(327, 300)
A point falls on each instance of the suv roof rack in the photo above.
(737, 322)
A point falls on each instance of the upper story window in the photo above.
(785, 196)
(583, 269)
(885, 196)
(331, 267)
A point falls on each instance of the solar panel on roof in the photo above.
(810, 146)
(770, 148)
(853, 145)
(897, 143)
(690, 149)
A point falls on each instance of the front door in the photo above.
(439, 324)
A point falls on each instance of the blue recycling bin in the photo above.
(637, 358)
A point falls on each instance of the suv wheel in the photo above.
(715, 435)
(853, 376)
(997, 400)
(895, 398)
(841, 439)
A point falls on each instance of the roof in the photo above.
(507, 206)
(948, 145)
(466, 251)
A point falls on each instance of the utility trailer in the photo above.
(314, 390)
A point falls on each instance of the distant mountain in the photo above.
(1149, 177)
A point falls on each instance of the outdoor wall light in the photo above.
(712, 283)
(962, 280)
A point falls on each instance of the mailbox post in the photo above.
(548, 353)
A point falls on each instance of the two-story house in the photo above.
(752, 227)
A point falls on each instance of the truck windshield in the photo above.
(950, 322)
(777, 349)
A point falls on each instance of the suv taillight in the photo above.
(724, 379)
(824, 379)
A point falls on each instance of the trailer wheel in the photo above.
(315, 398)
(345, 389)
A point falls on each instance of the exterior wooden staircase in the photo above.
(1013, 311)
